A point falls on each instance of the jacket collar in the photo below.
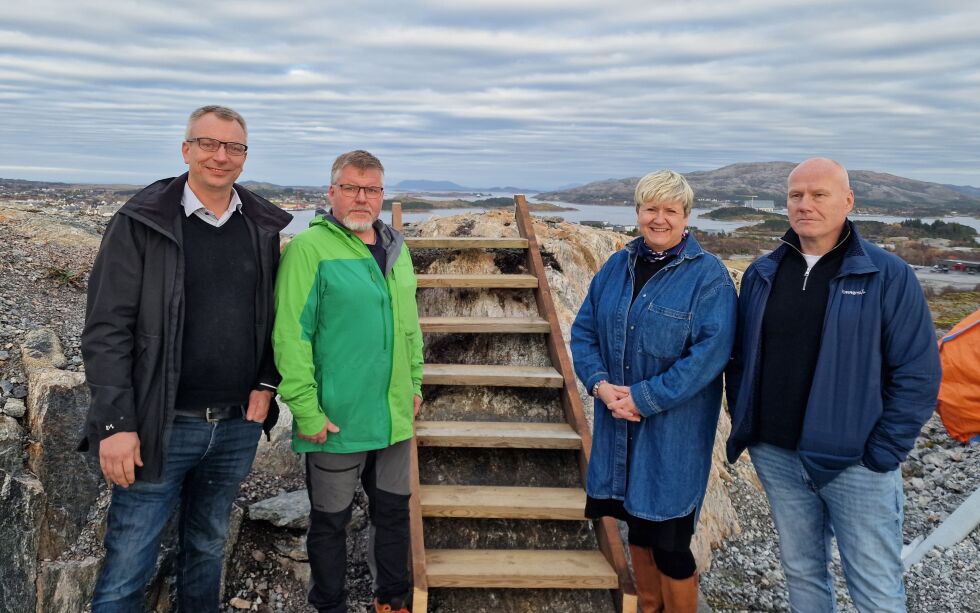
(391, 239)
(856, 260)
(158, 206)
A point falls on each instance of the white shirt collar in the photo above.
(193, 205)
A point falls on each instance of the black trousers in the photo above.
(331, 481)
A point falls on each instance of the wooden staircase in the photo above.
(603, 567)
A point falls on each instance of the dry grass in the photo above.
(949, 307)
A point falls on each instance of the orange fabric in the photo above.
(959, 393)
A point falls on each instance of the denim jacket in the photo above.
(670, 348)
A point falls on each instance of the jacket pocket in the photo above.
(665, 331)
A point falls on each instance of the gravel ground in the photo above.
(41, 284)
(939, 475)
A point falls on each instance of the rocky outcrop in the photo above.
(67, 585)
(11, 445)
(56, 407)
(22, 502)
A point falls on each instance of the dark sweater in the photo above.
(218, 353)
(644, 271)
(378, 251)
(791, 331)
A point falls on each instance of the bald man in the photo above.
(835, 369)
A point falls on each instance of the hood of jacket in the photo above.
(391, 239)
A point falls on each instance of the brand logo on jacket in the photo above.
(853, 292)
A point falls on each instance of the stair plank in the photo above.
(465, 242)
(469, 501)
(492, 434)
(486, 374)
(487, 281)
(506, 325)
(519, 569)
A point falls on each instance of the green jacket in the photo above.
(347, 339)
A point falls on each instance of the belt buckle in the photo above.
(211, 418)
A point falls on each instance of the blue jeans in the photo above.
(205, 465)
(861, 508)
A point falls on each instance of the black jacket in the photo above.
(134, 319)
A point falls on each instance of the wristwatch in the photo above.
(595, 388)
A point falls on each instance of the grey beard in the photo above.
(357, 226)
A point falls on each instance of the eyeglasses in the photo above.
(212, 145)
(350, 190)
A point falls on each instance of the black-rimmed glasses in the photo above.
(350, 190)
(212, 144)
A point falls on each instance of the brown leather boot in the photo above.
(648, 580)
(680, 595)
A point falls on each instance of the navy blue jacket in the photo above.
(877, 374)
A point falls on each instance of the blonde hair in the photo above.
(664, 186)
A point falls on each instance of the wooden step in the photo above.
(492, 434)
(486, 374)
(502, 502)
(465, 242)
(519, 569)
(505, 325)
(495, 281)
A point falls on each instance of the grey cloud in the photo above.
(533, 92)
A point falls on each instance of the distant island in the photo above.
(740, 213)
(423, 204)
(422, 185)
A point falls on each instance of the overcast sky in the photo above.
(532, 93)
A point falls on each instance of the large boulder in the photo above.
(57, 403)
(22, 501)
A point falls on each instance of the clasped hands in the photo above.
(619, 401)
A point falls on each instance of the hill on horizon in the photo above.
(875, 191)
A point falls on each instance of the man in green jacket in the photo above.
(348, 344)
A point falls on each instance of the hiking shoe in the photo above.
(397, 605)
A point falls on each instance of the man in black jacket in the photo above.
(177, 349)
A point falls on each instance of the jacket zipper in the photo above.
(806, 275)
